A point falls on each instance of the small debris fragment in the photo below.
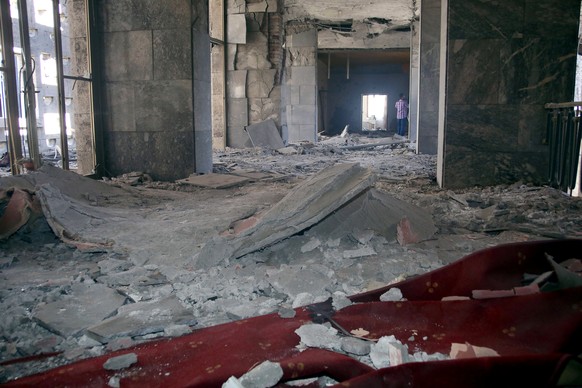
(360, 332)
(467, 350)
(355, 346)
(392, 295)
(287, 313)
(319, 336)
(120, 362)
(267, 374)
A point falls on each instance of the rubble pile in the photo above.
(112, 264)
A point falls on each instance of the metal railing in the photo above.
(564, 134)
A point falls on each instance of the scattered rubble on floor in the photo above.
(138, 242)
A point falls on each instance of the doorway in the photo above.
(374, 112)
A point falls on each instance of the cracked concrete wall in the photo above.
(148, 83)
(254, 65)
(505, 60)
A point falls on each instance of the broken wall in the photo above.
(300, 84)
(254, 62)
(148, 80)
(505, 60)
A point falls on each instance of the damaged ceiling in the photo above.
(399, 13)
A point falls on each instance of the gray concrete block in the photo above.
(295, 93)
(172, 54)
(236, 83)
(128, 56)
(237, 112)
(164, 106)
(302, 75)
(237, 28)
(141, 319)
(303, 114)
(70, 316)
(307, 95)
(260, 83)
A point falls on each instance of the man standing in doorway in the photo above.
(401, 115)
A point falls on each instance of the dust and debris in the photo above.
(153, 264)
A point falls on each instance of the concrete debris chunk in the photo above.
(120, 362)
(79, 310)
(388, 351)
(340, 301)
(177, 330)
(392, 295)
(232, 382)
(142, 318)
(266, 374)
(319, 336)
(360, 252)
(304, 206)
(287, 313)
(356, 346)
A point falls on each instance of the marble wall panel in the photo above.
(537, 70)
(486, 19)
(120, 102)
(172, 54)
(164, 106)
(473, 71)
(545, 18)
(128, 56)
(492, 128)
(150, 153)
(144, 14)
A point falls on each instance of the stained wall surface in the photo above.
(505, 60)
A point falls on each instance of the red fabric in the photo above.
(534, 334)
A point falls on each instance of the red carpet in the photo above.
(535, 335)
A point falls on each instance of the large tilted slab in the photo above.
(304, 206)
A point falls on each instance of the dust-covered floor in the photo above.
(144, 283)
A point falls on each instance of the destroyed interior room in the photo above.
(290, 193)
